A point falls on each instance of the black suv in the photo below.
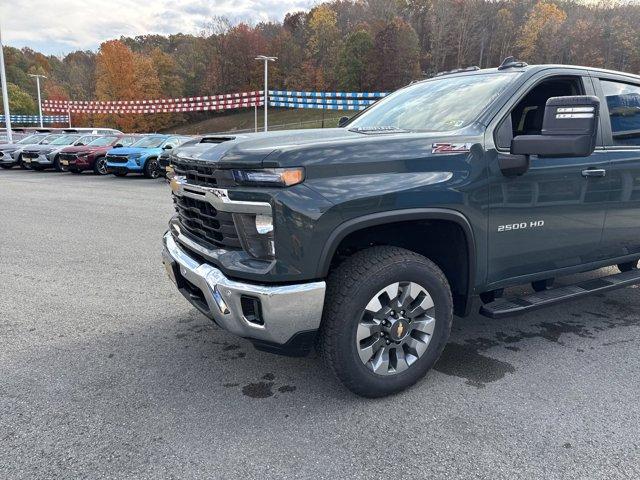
(367, 239)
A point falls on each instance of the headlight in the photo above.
(256, 235)
(270, 177)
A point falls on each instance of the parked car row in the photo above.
(101, 151)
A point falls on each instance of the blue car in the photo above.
(142, 156)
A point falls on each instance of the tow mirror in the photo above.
(569, 129)
(343, 121)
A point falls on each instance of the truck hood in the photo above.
(305, 147)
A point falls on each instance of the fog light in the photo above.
(264, 224)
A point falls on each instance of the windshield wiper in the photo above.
(372, 130)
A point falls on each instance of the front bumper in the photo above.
(130, 166)
(41, 159)
(289, 314)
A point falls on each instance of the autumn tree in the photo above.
(324, 45)
(396, 59)
(540, 37)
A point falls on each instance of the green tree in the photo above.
(353, 62)
(20, 102)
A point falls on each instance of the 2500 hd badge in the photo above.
(520, 226)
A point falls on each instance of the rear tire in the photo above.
(152, 168)
(628, 266)
(100, 166)
(354, 290)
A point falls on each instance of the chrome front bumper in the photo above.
(286, 310)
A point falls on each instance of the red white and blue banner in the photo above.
(228, 101)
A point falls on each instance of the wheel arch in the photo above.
(355, 226)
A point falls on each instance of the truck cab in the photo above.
(366, 240)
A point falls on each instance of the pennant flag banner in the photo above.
(36, 118)
(228, 101)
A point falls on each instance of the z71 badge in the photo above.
(450, 147)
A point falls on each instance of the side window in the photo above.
(623, 101)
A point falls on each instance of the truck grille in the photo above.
(28, 154)
(68, 156)
(203, 174)
(200, 220)
(117, 158)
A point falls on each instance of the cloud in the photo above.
(63, 26)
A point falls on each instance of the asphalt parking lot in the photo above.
(107, 372)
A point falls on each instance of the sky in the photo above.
(57, 27)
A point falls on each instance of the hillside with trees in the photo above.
(352, 45)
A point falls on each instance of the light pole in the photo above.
(266, 61)
(39, 98)
(5, 94)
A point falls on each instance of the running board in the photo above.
(505, 307)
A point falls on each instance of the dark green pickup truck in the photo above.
(365, 240)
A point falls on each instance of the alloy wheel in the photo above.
(102, 166)
(395, 328)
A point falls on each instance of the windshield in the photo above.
(65, 140)
(102, 141)
(50, 138)
(437, 105)
(149, 142)
(84, 140)
(31, 139)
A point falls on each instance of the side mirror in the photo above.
(80, 144)
(118, 145)
(569, 129)
(343, 121)
(167, 147)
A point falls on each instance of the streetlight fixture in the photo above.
(266, 60)
(5, 94)
(38, 77)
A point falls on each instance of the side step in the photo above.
(505, 307)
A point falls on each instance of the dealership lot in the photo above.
(106, 371)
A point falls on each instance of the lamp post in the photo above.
(38, 77)
(266, 60)
(5, 94)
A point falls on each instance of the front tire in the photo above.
(100, 166)
(152, 168)
(387, 317)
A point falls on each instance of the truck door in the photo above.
(620, 99)
(551, 217)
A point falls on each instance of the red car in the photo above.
(91, 156)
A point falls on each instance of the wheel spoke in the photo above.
(416, 346)
(380, 362)
(423, 303)
(424, 324)
(367, 329)
(401, 362)
(370, 350)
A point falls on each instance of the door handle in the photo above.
(594, 172)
